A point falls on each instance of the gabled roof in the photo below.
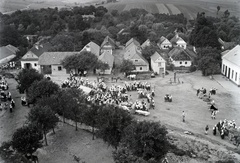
(93, 47)
(107, 57)
(176, 39)
(12, 48)
(155, 56)
(108, 41)
(146, 43)
(233, 56)
(162, 39)
(179, 54)
(5, 52)
(132, 40)
(225, 45)
(39, 49)
(53, 58)
(134, 53)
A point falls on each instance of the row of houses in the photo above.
(39, 58)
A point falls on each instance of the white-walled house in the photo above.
(30, 59)
(158, 64)
(133, 53)
(231, 65)
(180, 58)
(50, 62)
(164, 43)
(178, 42)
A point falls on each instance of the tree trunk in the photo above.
(45, 137)
(53, 130)
(76, 124)
(93, 131)
(63, 118)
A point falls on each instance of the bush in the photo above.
(193, 68)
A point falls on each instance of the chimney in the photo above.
(36, 46)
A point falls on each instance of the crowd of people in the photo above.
(115, 94)
(224, 127)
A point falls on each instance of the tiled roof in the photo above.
(134, 53)
(178, 54)
(155, 56)
(107, 57)
(175, 39)
(108, 41)
(233, 56)
(5, 52)
(146, 43)
(53, 58)
(12, 48)
(93, 47)
(132, 40)
(39, 49)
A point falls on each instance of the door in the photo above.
(27, 65)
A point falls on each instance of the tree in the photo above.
(126, 66)
(27, 139)
(75, 104)
(83, 61)
(146, 139)
(26, 77)
(102, 66)
(40, 89)
(44, 118)
(90, 116)
(111, 123)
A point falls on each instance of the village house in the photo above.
(108, 58)
(158, 64)
(181, 58)
(92, 47)
(231, 65)
(30, 59)
(50, 62)
(7, 53)
(178, 42)
(164, 43)
(146, 44)
(108, 44)
(133, 52)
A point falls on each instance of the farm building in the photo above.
(30, 59)
(133, 52)
(178, 42)
(108, 44)
(107, 57)
(158, 64)
(50, 62)
(92, 47)
(231, 65)
(180, 58)
(164, 43)
(7, 53)
(145, 44)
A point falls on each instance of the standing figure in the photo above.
(183, 116)
(10, 108)
(215, 130)
(206, 130)
(13, 103)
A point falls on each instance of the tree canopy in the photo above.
(126, 66)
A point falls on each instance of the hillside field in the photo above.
(189, 8)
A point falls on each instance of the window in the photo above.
(140, 68)
(236, 76)
(232, 73)
(59, 68)
(159, 64)
(136, 60)
(180, 63)
(35, 64)
(185, 63)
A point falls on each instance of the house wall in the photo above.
(57, 71)
(233, 73)
(156, 66)
(165, 46)
(34, 64)
(141, 68)
(182, 63)
(107, 72)
(182, 45)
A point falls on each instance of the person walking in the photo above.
(183, 116)
(10, 108)
(206, 129)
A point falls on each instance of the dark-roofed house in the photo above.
(133, 52)
(158, 64)
(92, 47)
(7, 53)
(50, 62)
(178, 42)
(30, 59)
(180, 57)
(164, 43)
(107, 57)
(231, 65)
